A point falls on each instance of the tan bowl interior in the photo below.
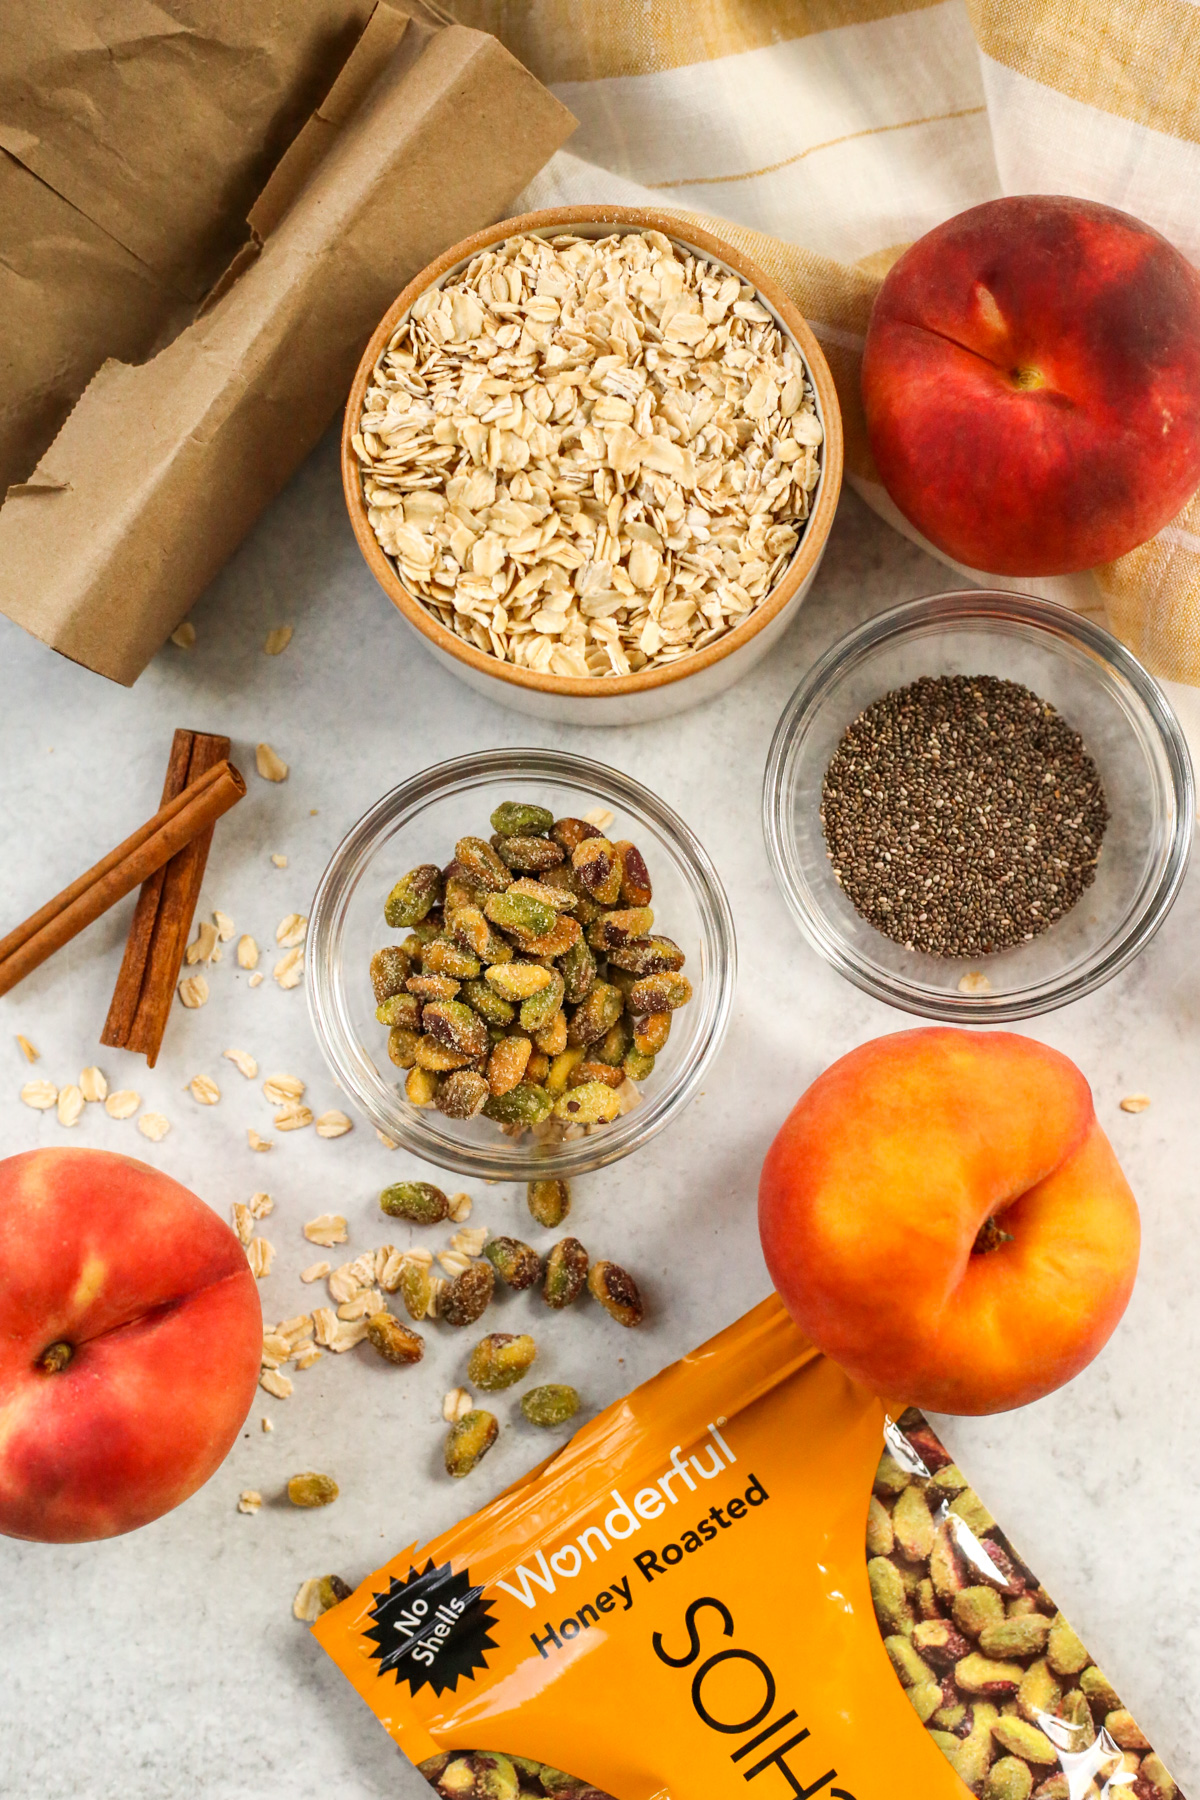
(620, 218)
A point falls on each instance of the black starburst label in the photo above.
(431, 1628)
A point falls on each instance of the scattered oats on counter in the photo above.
(269, 763)
(290, 968)
(278, 1088)
(204, 1090)
(184, 635)
(41, 1095)
(193, 990)
(293, 1116)
(459, 1209)
(314, 1271)
(203, 945)
(387, 1142)
(249, 1501)
(589, 457)
(1135, 1103)
(247, 953)
(280, 862)
(273, 1382)
(243, 1062)
(266, 1424)
(92, 1085)
(70, 1104)
(256, 1142)
(291, 930)
(327, 1230)
(154, 1126)
(123, 1104)
(277, 641)
(333, 1124)
(27, 1050)
(255, 980)
(224, 924)
(261, 1206)
(260, 1255)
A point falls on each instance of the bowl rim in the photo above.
(329, 1018)
(975, 605)
(818, 525)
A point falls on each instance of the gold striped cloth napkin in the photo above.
(823, 136)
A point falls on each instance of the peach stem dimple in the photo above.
(56, 1357)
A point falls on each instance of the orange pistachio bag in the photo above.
(721, 1587)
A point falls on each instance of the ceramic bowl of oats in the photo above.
(593, 455)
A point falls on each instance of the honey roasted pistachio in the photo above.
(469, 1440)
(565, 1272)
(468, 1296)
(518, 1265)
(552, 1404)
(549, 1202)
(616, 1291)
(393, 1340)
(548, 930)
(500, 1359)
(312, 1489)
(417, 1201)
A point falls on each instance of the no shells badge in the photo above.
(431, 1628)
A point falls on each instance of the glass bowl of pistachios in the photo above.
(521, 964)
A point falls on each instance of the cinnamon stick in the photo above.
(162, 921)
(153, 844)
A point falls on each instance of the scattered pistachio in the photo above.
(500, 1359)
(467, 1297)
(311, 1489)
(417, 1201)
(393, 1340)
(565, 1272)
(552, 1404)
(616, 1291)
(517, 1264)
(316, 1595)
(468, 1441)
(549, 1202)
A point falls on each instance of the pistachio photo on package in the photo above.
(768, 1580)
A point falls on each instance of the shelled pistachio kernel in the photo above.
(526, 1104)
(552, 1404)
(500, 1359)
(467, 1297)
(659, 993)
(311, 1489)
(549, 1202)
(518, 1265)
(565, 1272)
(521, 818)
(481, 865)
(415, 1288)
(413, 896)
(517, 981)
(469, 1440)
(507, 1063)
(393, 1340)
(617, 1292)
(390, 969)
(417, 1201)
(463, 1094)
(593, 1103)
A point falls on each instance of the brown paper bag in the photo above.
(429, 132)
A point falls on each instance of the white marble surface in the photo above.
(168, 1662)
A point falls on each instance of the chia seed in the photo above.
(962, 815)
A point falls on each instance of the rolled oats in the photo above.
(92, 1084)
(41, 1095)
(275, 1382)
(247, 953)
(249, 1501)
(204, 1090)
(456, 1405)
(261, 1206)
(243, 1062)
(123, 1104)
(154, 1126)
(224, 924)
(470, 1240)
(289, 969)
(304, 1359)
(269, 763)
(26, 1048)
(70, 1104)
(279, 1089)
(314, 1271)
(293, 1116)
(333, 1124)
(256, 1142)
(260, 1255)
(279, 861)
(243, 1221)
(328, 1229)
(193, 990)
(277, 641)
(460, 1208)
(202, 945)
(1135, 1103)
(291, 930)
(256, 980)
(589, 457)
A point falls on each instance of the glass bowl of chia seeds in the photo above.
(419, 824)
(978, 806)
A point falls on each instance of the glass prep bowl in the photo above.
(1127, 726)
(420, 822)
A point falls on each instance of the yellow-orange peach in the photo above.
(942, 1214)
